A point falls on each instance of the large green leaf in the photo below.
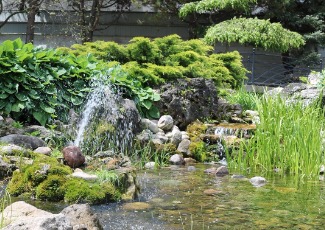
(76, 100)
(3, 95)
(147, 104)
(41, 117)
(47, 108)
(17, 107)
(21, 97)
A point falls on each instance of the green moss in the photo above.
(197, 147)
(78, 190)
(31, 176)
(51, 189)
(17, 185)
(198, 150)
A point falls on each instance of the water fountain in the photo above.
(102, 123)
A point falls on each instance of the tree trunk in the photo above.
(33, 7)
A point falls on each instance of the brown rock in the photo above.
(73, 156)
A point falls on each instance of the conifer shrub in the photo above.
(153, 62)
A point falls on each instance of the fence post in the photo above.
(253, 66)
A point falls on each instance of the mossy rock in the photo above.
(31, 176)
(195, 130)
(199, 151)
(78, 190)
(51, 189)
(17, 185)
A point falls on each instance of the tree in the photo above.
(89, 14)
(243, 29)
(170, 8)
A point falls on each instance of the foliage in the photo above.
(79, 190)
(204, 6)
(42, 84)
(153, 62)
(5, 201)
(288, 139)
(258, 32)
(246, 99)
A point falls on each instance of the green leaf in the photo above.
(33, 94)
(76, 100)
(41, 117)
(147, 104)
(8, 46)
(154, 112)
(4, 96)
(8, 108)
(46, 108)
(21, 97)
(17, 107)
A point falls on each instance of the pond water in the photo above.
(177, 198)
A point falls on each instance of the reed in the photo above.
(5, 200)
(246, 99)
(288, 139)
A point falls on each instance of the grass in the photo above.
(5, 200)
(288, 139)
(246, 99)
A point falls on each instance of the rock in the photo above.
(160, 137)
(37, 129)
(147, 124)
(43, 150)
(150, 165)
(189, 160)
(258, 181)
(176, 136)
(73, 156)
(144, 136)
(81, 217)
(211, 192)
(166, 122)
(78, 173)
(23, 216)
(10, 149)
(238, 176)
(104, 154)
(321, 169)
(187, 100)
(211, 170)
(26, 141)
(222, 171)
(191, 168)
(131, 115)
(6, 169)
(177, 159)
(184, 146)
(136, 206)
(185, 135)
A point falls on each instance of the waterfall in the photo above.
(102, 126)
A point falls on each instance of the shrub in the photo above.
(168, 58)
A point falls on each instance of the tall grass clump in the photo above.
(288, 138)
(5, 200)
(241, 96)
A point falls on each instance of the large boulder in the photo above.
(81, 217)
(26, 141)
(187, 100)
(73, 156)
(23, 216)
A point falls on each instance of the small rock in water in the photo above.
(238, 176)
(211, 170)
(150, 165)
(211, 192)
(222, 171)
(191, 168)
(258, 181)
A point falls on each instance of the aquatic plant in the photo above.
(288, 139)
(241, 96)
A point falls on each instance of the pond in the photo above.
(176, 198)
(179, 198)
